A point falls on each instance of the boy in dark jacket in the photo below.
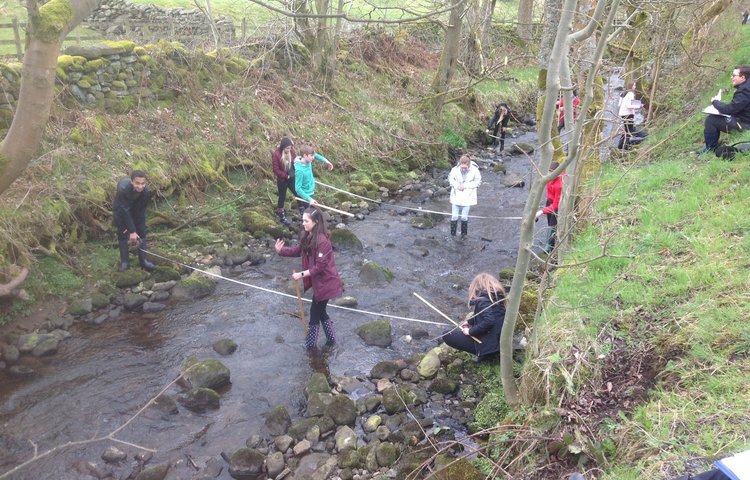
(129, 212)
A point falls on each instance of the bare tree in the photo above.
(447, 66)
(556, 59)
(525, 19)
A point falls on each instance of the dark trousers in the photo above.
(140, 227)
(318, 311)
(714, 125)
(710, 475)
(282, 186)
(456, 339)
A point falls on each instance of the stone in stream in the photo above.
(375, 333)
(278, 420)
(224, 346)
(114, 455)
(209, 373)
(200, 399)
(246, 464)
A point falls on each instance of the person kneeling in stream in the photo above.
(318, 271)
(487, 295)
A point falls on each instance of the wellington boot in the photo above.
(454, 224)
(464, 229)
(124, 255)
(145, 264)
(281, 215)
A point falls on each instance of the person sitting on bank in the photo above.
(487, 296)
(735, 115)
(129, 212)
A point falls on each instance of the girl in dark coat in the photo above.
(318, 271)
(487, 296)
(283, 168)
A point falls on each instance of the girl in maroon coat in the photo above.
(318, 271)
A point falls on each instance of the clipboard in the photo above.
(711, 110)
(736, 467)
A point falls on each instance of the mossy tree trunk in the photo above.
(320, 35)
(48, 26)
(478, 24)
(449, 56)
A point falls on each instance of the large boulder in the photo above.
(317, 403)
(209, 373)
(129, 278)
(429, 365)
(373, 274)
(377, 333)
(345, 438)
(196, 285)
(385, 369)
(318, 383)
(345, 239)
(200, 399)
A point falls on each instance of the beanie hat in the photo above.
(285, 142)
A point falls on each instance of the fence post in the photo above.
(17, 36)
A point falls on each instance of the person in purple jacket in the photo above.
(318, 271)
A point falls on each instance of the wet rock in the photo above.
(349, 385)
(200, 399)
(512, 180)
(422, 222)
(99, 319)
(278, 420)
(346, 301)
(345, 439)
(386, 454)
(409, 375)
(313, 434)
(99, 300)
(165, 404)
(444, 386)
(157, 472)
(164, 286)
(80, 306)
(46, 346)
(499, 168)
(283, 442)
(64, 322)
(21, 371)
(275, 464)
(382, 433)
(209, 373)
(299, 430)
(302, 447)
(318, 383)
(317, 403)
(236, 256)
(310, 465)
(10, 354)
(224, 346)
(114, 455)
(372, 274)
(429, 365)
(115, 313)
(29, 341)
(385, 369)
(522, 147)
(60, 334)
(372, 423)
(129, 278)
(213, 468)
(392, 401)
(345, 239)
(132, 301)
(159, 296)
(152, 307)
(383, 384)
(413, 430)
(254, 441)
(196, 285)
(342, 410)
(246, 464)
(162, 275)
(349, 458)
(376, 333)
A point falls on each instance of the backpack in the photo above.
(728, 152)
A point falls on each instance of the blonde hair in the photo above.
(486, 282)
(306, 150)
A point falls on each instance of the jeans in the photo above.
(457, 210)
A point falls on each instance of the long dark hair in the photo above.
(309, 240)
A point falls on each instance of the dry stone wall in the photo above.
(119, 19)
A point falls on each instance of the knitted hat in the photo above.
(285, 142)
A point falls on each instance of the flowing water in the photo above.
(103, 375)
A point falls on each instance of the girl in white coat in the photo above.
(464, 180)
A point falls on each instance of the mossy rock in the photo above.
(422, 222)
(377, 333)
(506, 275)
(201, 399)
(260, 225)
(522, 147)
(129, 278)
(373, 273)
(224, 346)
(318, 383)
(209, 373)
(345, 239)
(391, 185)
(195, 286)
(157, 472)
(164, 274)
(450, 468)
(99, 300)
(80, 306)
(499, 168)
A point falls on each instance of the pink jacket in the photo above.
(324, 278)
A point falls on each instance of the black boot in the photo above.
(464, 228)
(281, 214)
(124, 255)
(145, 264)
(454, 223)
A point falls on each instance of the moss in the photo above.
(62, 75)
(148, 61)
(71, 62)
(84, 84)
(95, 65)
(126, 46)
(77, 136)
(52, 19)
(6, 118)
(119, 85)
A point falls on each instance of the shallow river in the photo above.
(104, 374)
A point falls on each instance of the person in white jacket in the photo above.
(464, 180)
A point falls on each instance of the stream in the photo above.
(104, 374)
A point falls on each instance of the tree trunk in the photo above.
(447, 65)
(526, 19)
(48, 26)
(474, 60)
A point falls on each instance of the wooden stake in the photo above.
(299, 302)
(444, 315)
